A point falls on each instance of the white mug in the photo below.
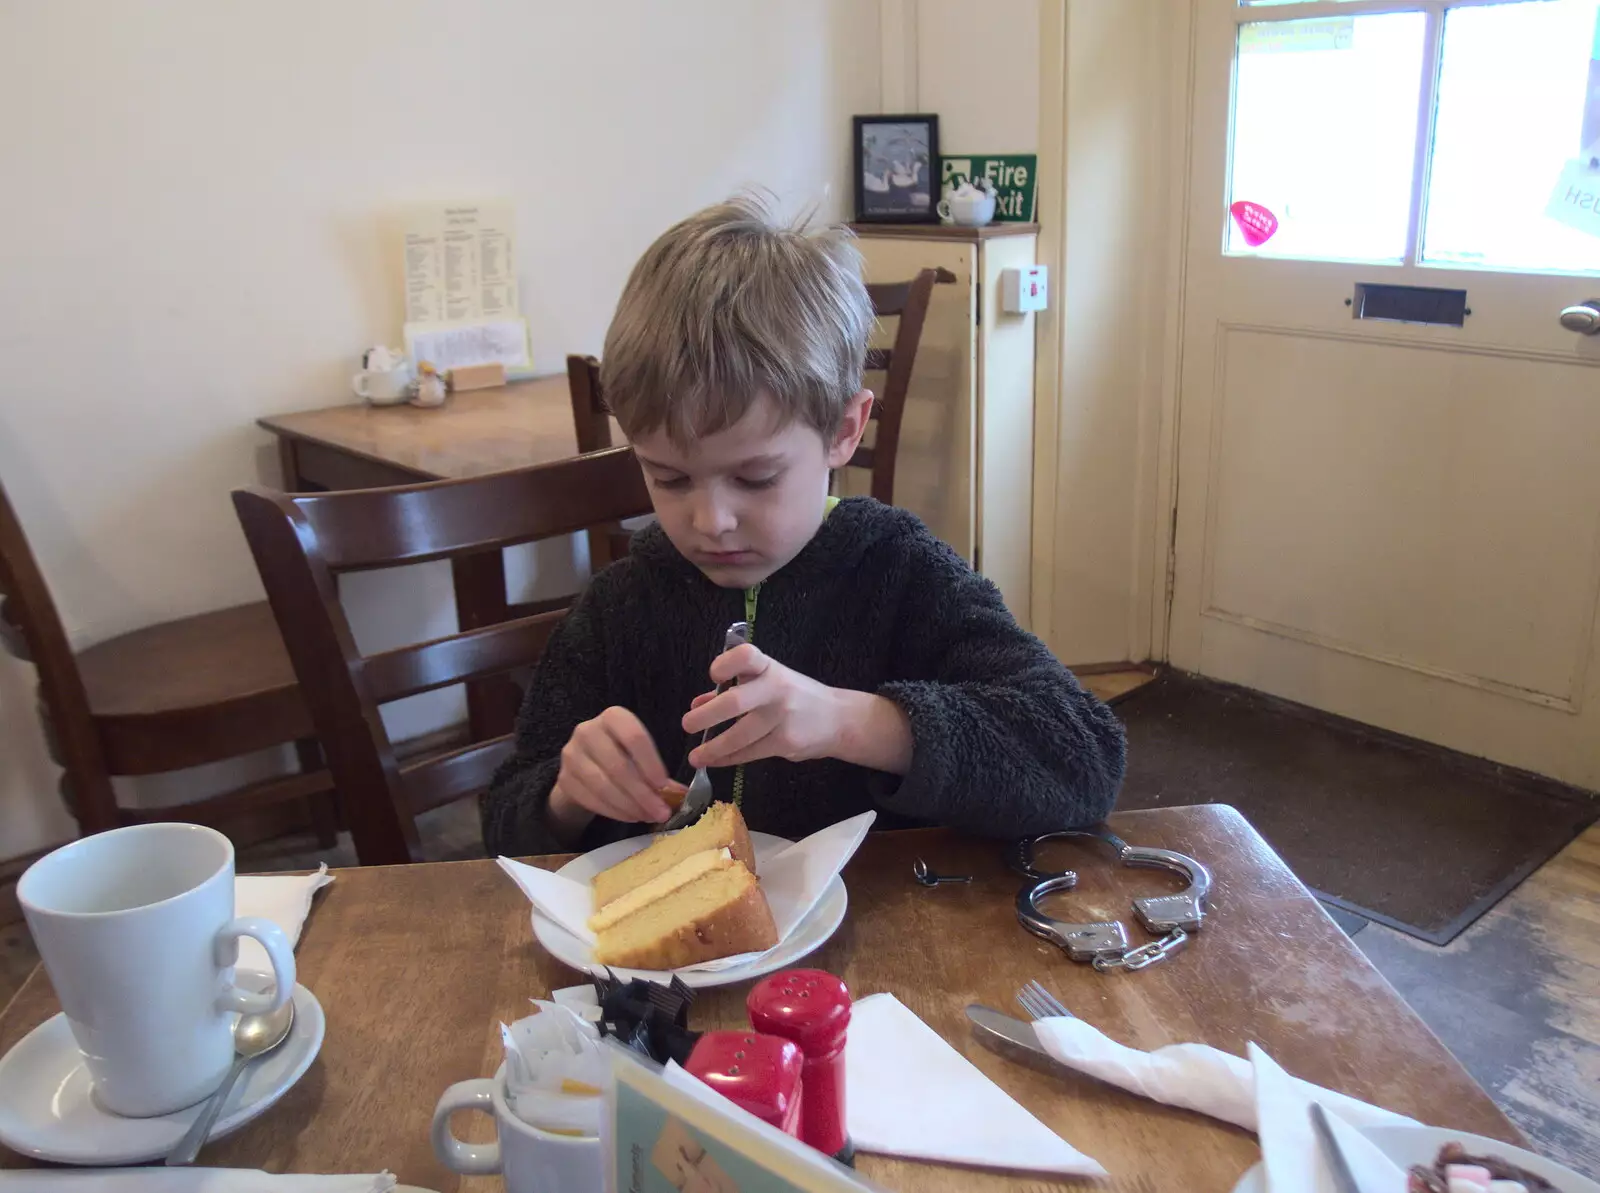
(384, 387)
(136, 929)
(530, 1160)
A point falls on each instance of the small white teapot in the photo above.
(968, 206)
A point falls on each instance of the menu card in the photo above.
(667, 1132)
(461, 262)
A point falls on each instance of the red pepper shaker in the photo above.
(758, 1073)
(812, 1008)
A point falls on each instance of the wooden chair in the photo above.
(909, 302)
(302, 542)
(592, 422)
(170, 696)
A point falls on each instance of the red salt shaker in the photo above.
(758, 1073)
(812, 1008)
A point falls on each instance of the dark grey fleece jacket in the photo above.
(1007, 743)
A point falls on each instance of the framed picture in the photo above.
(897, 169)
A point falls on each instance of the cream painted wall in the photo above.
(196, 230)
(1112, 101)
(1103, 106)
(978, 67)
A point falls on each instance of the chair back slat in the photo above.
(427, 666)
(377, 528)
(909, 302)
(590, 419)
(31, 630)
(889, 298)
(441, 780)
(301, 542)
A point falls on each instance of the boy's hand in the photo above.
(610, 767)
(783, 714)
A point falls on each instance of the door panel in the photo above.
(1434, 510)
(1397, 522)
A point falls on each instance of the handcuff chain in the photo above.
(1146, 954)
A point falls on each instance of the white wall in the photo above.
(196, 231)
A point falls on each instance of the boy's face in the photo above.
(743, 502)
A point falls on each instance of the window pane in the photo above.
(1324, 135)
(1515, 179)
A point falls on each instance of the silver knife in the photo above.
(1343, 1179)
(1013, 1039)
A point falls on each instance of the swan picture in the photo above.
(897, 160)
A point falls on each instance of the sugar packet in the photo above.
(556, 1072)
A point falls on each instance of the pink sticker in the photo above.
(1256, 223)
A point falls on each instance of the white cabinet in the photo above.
(966, 440)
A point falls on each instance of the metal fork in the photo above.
(1039, 1003)
(698, 797)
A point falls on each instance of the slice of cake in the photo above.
(718, 914)
(685, 898)
(720, 828)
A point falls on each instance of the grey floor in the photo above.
(1516, 997)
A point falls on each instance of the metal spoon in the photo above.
(927, 877)
(253, 1036)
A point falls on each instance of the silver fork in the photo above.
(698, 797)
(1039, 1003)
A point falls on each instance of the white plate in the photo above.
(46, 1110)
(809, 935)
(1420, 1145)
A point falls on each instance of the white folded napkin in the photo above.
(285, 899)
(1290, 1152)
(792, 880)
(1193, 1076)
(909, 1093)
(190, 1180)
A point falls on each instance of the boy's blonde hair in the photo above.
(727, 305)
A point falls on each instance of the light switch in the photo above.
(1024, 290)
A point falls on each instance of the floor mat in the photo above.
(1408, 834)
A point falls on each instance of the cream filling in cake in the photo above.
(662, 885)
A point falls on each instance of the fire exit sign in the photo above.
(1011, 173)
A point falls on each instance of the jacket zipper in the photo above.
(751, 595)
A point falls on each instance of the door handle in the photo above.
(1584, 318)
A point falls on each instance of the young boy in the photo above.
(882, 672)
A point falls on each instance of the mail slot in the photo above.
(1411, 304)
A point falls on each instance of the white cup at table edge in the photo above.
(136, 930)
(530, 1160)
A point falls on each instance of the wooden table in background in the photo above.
(417, 965)
(356, 446)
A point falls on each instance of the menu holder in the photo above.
(665, 1131)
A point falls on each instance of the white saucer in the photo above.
(809, 935)
(46, 1110)
(1419, 1145)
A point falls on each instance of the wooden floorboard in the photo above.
(1517, 998)
(1112, 686)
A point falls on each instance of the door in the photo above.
(1389, 499)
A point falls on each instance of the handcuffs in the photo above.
(1105, 944)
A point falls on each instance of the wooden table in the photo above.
(417, 965)
(356, 446)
